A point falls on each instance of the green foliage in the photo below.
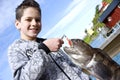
(87, 39)
(86, 31)
(96, 24)
(108, 1)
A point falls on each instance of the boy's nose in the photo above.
(34, 22)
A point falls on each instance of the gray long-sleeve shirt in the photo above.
(29, 62)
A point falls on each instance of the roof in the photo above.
(109, 9)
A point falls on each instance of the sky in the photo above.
(59, 17)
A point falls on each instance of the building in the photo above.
(111, 18)
(111, 15)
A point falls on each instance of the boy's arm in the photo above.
(25, 68)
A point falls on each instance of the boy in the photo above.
(33, 58)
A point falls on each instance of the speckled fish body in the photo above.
(93, 60)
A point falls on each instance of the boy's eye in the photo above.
(28, 20)
(37, 20)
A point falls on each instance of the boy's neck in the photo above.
(28, 38)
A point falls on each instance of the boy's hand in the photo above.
(54, 44)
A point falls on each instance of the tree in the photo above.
(108, 1)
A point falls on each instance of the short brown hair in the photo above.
(25, 4)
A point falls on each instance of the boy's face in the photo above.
(30, 24)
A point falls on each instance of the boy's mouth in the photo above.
(34, 29)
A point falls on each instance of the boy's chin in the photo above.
(33, 34)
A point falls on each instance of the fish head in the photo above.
(80, 52)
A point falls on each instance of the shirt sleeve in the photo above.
(44, 47)
(25, 67)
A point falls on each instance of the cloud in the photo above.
(7, 13)
(72, 5)
(71, 12)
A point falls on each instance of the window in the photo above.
(119, 23)
(119, 5)
(109, 19)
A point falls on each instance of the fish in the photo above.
(93, 61)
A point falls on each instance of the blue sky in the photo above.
(59, 17)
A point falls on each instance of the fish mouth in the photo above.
(72, 43)
(70, 48)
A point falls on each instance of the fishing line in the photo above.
(59, 67)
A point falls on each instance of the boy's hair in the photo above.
(25, 4)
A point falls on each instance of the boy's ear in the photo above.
(17, 24)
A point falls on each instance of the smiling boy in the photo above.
(33, 58)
